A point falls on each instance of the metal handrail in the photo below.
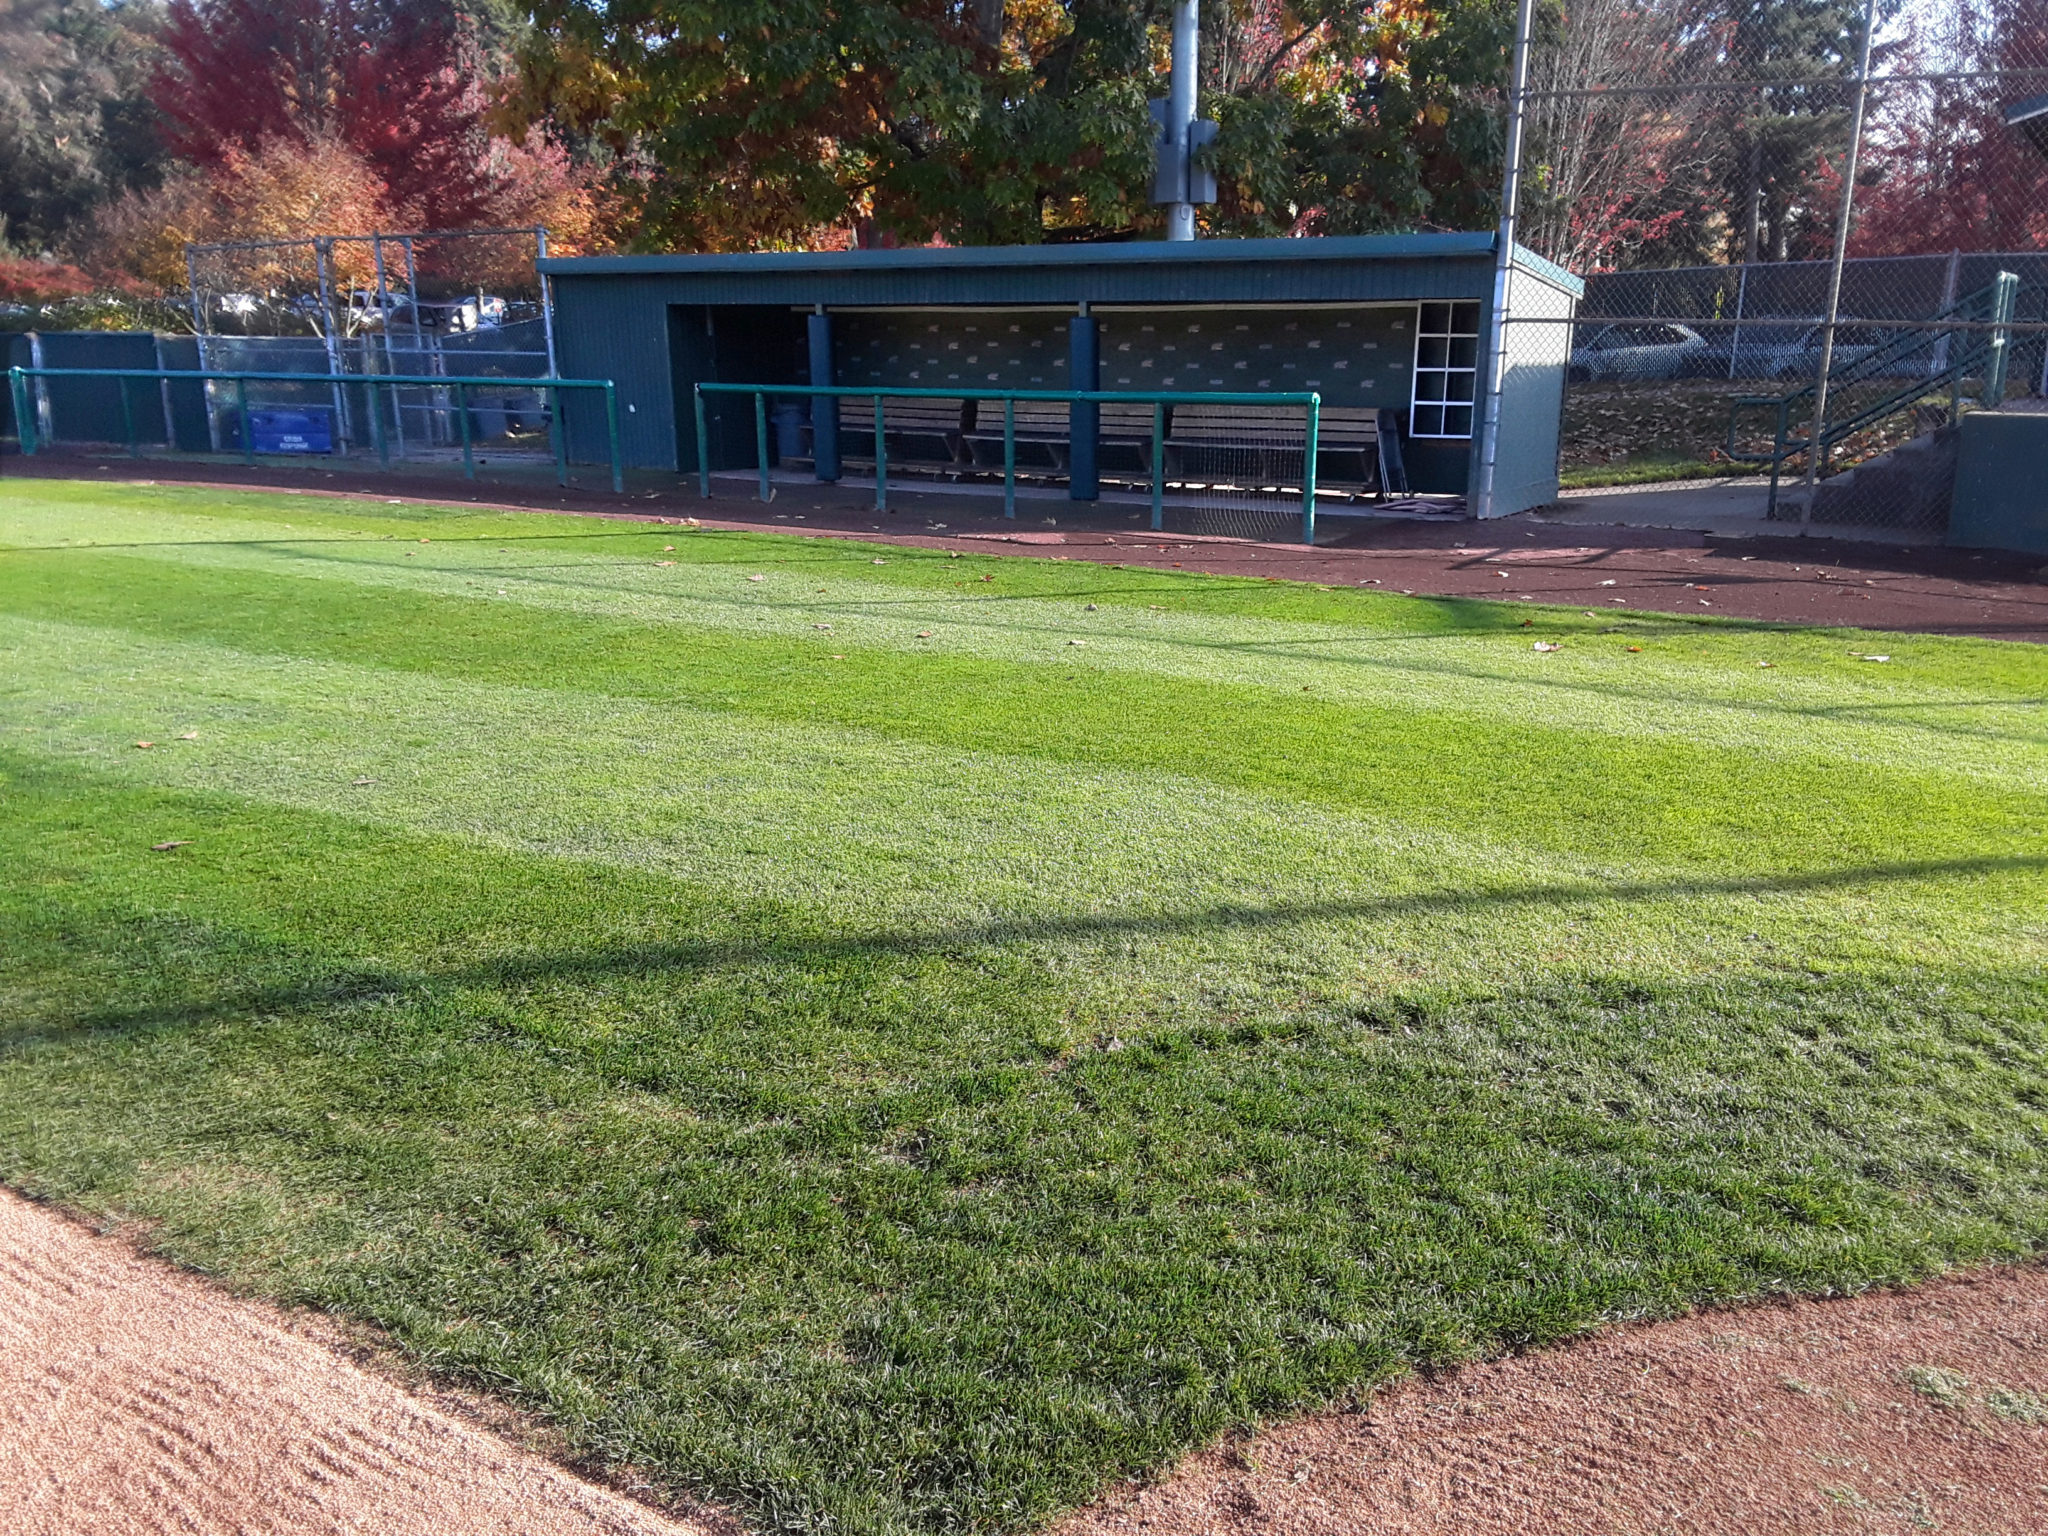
(1983, 343)
(461, 383)
(1159, 400)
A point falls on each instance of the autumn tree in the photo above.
(1945, 170)
(75, 126)
(746, 123)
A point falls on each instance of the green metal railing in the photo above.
(1978, 342)
(26, 420)
(1310, 402)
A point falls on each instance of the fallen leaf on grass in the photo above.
(666, 548)
(1637, 648)
(821, 626)
(176, 842)
(757, 578)
(924, 634)
(1528, 623)
(1766, 663)
(1077, 642)
(878, 562)
(839, 658)
(189, 736)
(988, 578)
(359, 783)
(1546, 645)
(664, 562)
(1859, 658)
(145, 744)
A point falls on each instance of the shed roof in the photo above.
(1198, 271)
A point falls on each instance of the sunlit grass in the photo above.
(838, 1044)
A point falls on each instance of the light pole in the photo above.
(1180, 117)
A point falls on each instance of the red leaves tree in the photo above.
(398, 83)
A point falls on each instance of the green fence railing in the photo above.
(1310, 402)
(26, 418)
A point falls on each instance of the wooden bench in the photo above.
(915, 431)
(1041, 432)
(1264, 444)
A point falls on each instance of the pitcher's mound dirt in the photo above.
(134, 1399)
(1921, 1410)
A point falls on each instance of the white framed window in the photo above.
(1446, 368)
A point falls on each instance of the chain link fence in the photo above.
(1815, 233)
(466, 303)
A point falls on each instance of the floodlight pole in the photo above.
(1503, 264)
(1180, 110)
(1815, 444)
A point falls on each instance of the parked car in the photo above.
(1640, 350)
(1790, 352)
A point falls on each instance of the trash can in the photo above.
(789, 420)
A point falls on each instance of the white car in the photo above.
(1659, 349)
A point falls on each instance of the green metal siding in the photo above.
(2001, 498)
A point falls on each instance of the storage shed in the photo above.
(1383, 328)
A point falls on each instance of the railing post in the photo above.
(2004, 292)
(24, 420)
(558, 434)
(703, 442)
(881, 461)
(761, 443)
(611, 422)
(462, 417)
(1308, 472)
(377, 420)
(242, 411)
(128, 421)
(1158, 465)
(1009, 456)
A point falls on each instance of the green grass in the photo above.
(902, 1083)
(1649, 471)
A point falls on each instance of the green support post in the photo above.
(1308, 473)
(1009, 456)
(462, 414)
(881, 461)
(24, 413)
(611, 422)
(1158, 465)
(558, 430)
(128, 422)
(703, 444)
(242, 410)
(2005, 290)
(761, 443)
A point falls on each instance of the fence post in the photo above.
(462, 417)
(128, 420)
(377, 420)
(611, 421)
(1308, 472)
(703, 442)
(761, 443)
(1009, 456)
(1817, 439)
(46, 421)
(881, 461)
(242, 411)
(1158, 465)
(163, 386)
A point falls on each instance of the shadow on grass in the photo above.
(356, 983)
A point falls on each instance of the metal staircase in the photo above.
(1909, 372)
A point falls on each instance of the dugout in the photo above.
(1374, 324)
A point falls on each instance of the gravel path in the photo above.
(138, 1399)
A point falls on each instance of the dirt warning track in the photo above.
(137, 1399)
